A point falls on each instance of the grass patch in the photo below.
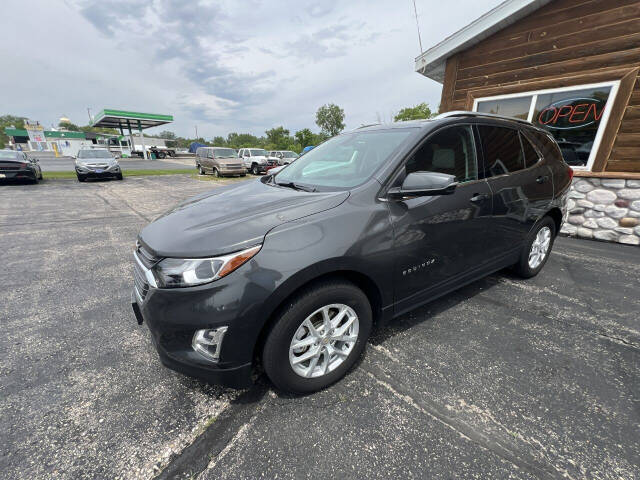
(126, 173)
(211, 178)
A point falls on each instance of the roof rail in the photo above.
(369, 125)
(464, 113)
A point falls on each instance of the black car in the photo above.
(291, 272)
(15, 165)
(93, 163)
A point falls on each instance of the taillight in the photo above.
(570, 171)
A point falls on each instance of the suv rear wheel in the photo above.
(536, 249)
(318, 338)
(201, 170)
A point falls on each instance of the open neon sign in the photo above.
(572, 113)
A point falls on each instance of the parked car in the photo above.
(282, 157)
(16, 165)
(293, 271)
(219, 161)
(94, 163)
(255, 160)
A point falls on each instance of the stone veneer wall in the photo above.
(604, 209)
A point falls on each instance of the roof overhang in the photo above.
(124, 119)
(432, 62)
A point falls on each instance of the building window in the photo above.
(574, 116)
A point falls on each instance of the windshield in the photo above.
(94, 154)
(344, 161)
(258, 152)
(8, 155)
(224, 153)
(289, 155)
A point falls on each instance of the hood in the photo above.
(231, 218)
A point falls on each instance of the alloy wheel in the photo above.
(324, 340)
(540, 247)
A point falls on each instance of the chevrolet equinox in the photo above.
(291, 272)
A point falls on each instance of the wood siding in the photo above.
(565, 43)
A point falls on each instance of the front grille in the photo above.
(147, 258)
(140, 280)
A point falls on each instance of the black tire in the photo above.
(216, 173)
(523, 268)
(35, 179)
(119, 176)
(275, 354)
(201, 170)
(81, 178)
(254, 169)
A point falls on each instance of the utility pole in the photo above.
(196, 132)
(90, 117)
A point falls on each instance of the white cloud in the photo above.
(225, 66)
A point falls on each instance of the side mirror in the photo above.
(422, 184)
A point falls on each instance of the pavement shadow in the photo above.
(426, 312)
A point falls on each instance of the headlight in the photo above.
(179, 272)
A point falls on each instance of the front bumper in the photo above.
(191, 363)
(173, 315)
(89, 173)
(233, 171)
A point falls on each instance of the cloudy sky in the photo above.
(243, 65)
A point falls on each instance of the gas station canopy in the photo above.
(122, 119)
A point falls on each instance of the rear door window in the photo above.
(530, 155)
(502, 150)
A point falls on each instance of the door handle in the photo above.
(542, 178)
(479, 197)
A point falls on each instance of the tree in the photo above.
(72, 127)
(167, 134)
(330, 119)
(278, 137)
(9, 121)
(414, 113)
(219, 141)
(304, 137)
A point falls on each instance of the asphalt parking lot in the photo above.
(66, 164)
(505, 378)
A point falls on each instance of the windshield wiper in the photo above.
(296, 186)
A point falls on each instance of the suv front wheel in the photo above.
(318, 338)
(536, 249)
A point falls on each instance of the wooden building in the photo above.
(571, 67)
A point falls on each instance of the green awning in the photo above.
(124, 119)
(18, 132)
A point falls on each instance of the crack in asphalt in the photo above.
(217, 438)
(521, 460)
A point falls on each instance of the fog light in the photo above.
(208, 342)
